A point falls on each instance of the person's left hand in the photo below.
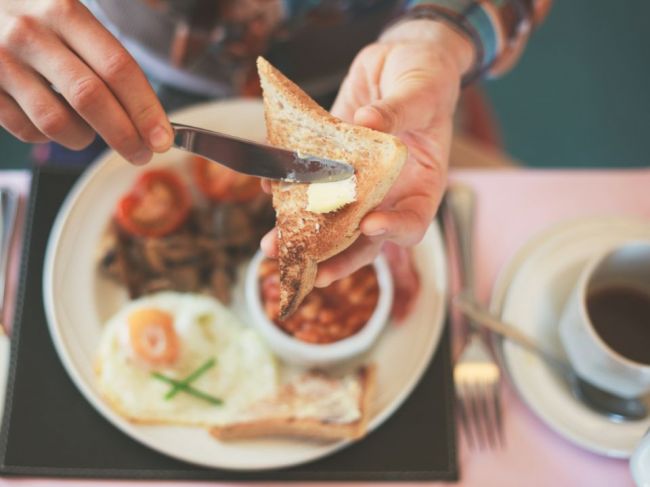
(406, 84)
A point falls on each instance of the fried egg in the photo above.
(166, 337)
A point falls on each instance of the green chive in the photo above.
(188, 389)
(191, 378)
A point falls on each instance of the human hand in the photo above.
(63, 77)
(407, 84)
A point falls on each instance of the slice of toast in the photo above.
(312, 406)
(295, 121)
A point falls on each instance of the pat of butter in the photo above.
(327, 197)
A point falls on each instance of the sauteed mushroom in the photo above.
(201, 255)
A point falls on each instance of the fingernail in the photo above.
(159, 138)
(266, 243)
(322, 281)
(375, 233)
(141, 157)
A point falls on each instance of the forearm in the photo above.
(499, 30)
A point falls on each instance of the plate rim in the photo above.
(128, 428)
(498, 298)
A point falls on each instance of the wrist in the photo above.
(455, 43)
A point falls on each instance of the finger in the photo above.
(404, 227)
(87, 94)
(343, 106)
(360, 85)
(14, 120)
(404, 109)
(106, 56)
(408, 102)
(360, 253)
(47, 111)
(266, 185)
(269, 244)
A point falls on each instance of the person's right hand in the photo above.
(63, 77)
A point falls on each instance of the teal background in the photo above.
(580, 96)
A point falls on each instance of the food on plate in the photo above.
(162, 239)
(310, 405)
(152, 336)
(157, 205)
(327, 314)
(184, 359)
(294, 121)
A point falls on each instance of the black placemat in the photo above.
(49, 429)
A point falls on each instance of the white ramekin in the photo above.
(304, 354)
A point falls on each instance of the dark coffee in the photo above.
(621, 316)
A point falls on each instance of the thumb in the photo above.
(407, 105)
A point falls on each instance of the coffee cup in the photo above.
(605, 325)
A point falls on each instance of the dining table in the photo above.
(513, 204)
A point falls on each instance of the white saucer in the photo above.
(530, 293)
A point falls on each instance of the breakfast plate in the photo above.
(78, 301)
(530, 293)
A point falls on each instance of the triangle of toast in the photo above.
(294, 121)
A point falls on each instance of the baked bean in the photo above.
(357, 296)
(271, 287)
(309, 311)
(327, 314)
(344, 284)
(267, 268)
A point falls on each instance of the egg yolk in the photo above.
(152, 336)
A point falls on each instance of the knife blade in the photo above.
(260, 160)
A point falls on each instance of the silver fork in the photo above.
(476, 373)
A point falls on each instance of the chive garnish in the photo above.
(185, 384)
(188, 389)
(191, 378)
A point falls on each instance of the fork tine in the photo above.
(496, 404)
(464, 420)
(476, 376)
(484, 393)
(476, 415)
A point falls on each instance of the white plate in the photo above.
(78, 301)
(530, 293)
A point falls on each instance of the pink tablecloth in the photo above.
(513, 205)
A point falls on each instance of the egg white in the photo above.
(245, 370)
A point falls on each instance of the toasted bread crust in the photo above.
(294, 121)
(309, 428)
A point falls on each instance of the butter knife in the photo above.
(260, 160)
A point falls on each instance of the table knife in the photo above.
(260, 160)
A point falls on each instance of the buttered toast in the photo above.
(294, 121)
